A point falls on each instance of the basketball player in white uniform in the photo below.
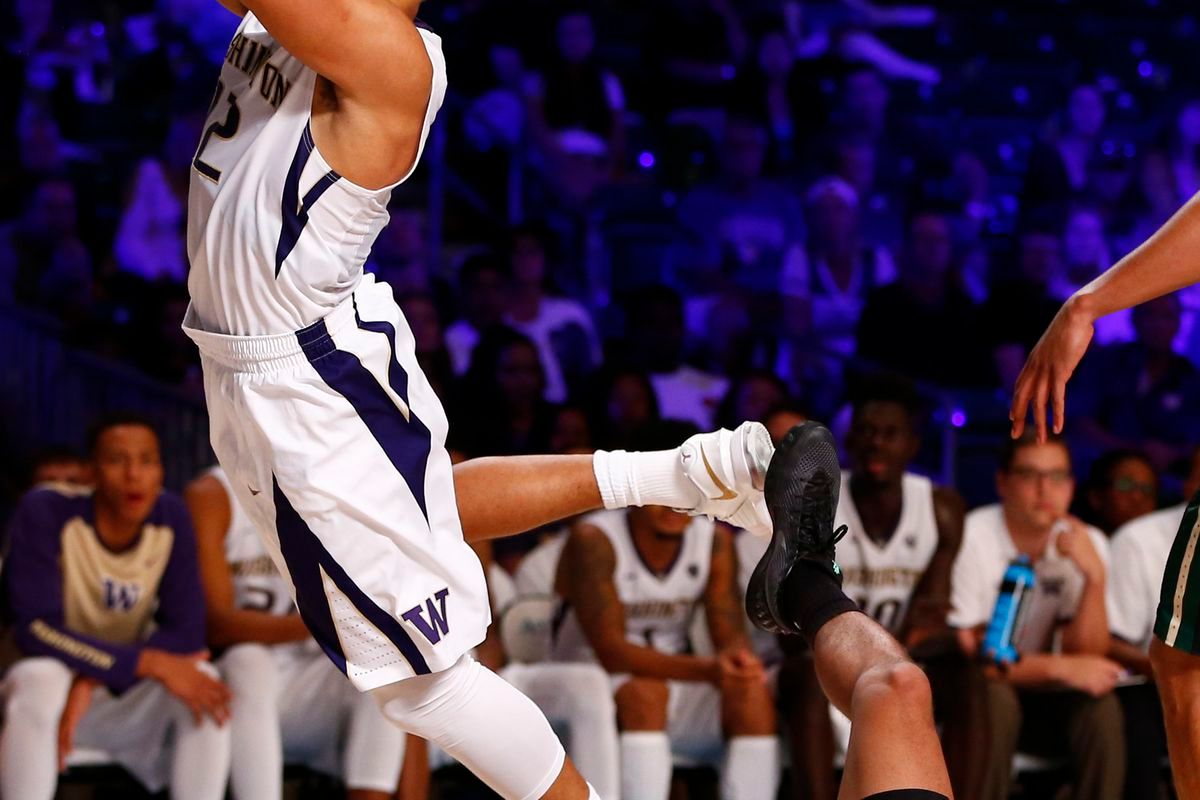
(289, 702)
(631, 583)
(331, 436)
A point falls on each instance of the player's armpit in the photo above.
(722, 601)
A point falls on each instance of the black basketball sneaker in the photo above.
(802, 487)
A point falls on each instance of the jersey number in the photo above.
(225, 129)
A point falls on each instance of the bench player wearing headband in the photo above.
(332, 438)
(1166, 262)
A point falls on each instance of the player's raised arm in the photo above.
(369, 49)
(234, 6)
(1166, 262)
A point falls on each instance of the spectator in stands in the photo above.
(896, 559)
(701, 43)
(1011, 336)
(1085, 250)
(904, 322)
(60, 465)
(290, 704)
(104, 596)
(751, 396)
(482, 293)
(774, 92)
(1139, 550)
(423, 319)
(624, 404)
(629, 584)
(655, 338)
(400, 255)
(43, 262)
(575, 92)
(1183, 147)
(841, 269)
(561, 328)
(572, 431)
(150, 236)
(743, 226)
(1062, 167)
(1150, 408)
(783, 418)
(501, 406)
(1121, 487)
(1052, 701)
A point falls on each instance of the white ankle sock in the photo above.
(751, 770)
(645, 765)
(643, 479)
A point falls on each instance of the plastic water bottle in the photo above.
(998, 642)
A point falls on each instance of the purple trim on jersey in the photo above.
(34, 591)
(406, 442)
(305, 557)
(293, 210)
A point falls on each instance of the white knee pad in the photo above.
(494, 730)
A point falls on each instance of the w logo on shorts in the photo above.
(121, 596)
(438, 625)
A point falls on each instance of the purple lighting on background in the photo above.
(646, 160)
(1145, 69)
(958, 418)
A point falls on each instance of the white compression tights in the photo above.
(490, 727)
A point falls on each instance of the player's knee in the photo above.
(642, 705)
(900, 685)
(748, 711)
(591, 692)
(251, 674)
(37, 691)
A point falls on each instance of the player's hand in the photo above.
(737, 667)
(183, 677)
(1053, 360)
(1094, 675)
(79, 700)
(1075, 544)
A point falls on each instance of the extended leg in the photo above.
(867, 675)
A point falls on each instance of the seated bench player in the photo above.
(630, 582)
(290, 703)
(102, 591)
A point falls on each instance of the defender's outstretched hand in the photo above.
(1046, 371)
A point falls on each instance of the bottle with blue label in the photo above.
(999, 642)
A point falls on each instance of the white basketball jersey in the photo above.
(881, 578)
(276, 238)
(257, 584)
(658, 608)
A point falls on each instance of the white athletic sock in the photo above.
(645, 765)
(643, 479)
(751, 770)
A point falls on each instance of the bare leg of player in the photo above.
(718, 473)
(1178, 677)
(504, 496)
(866, 674)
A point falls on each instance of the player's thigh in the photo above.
(1177, 623)
(694, 721)
(35, 690)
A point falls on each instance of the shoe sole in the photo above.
(806, 464)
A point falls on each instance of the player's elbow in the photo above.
(612, 656)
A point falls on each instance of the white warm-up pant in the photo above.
(295, 706)
(134, 729)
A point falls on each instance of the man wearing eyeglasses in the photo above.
(1057, 700)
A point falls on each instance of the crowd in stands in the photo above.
(699, 212)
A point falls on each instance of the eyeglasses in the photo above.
(1056, 477)
(1130, 485)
